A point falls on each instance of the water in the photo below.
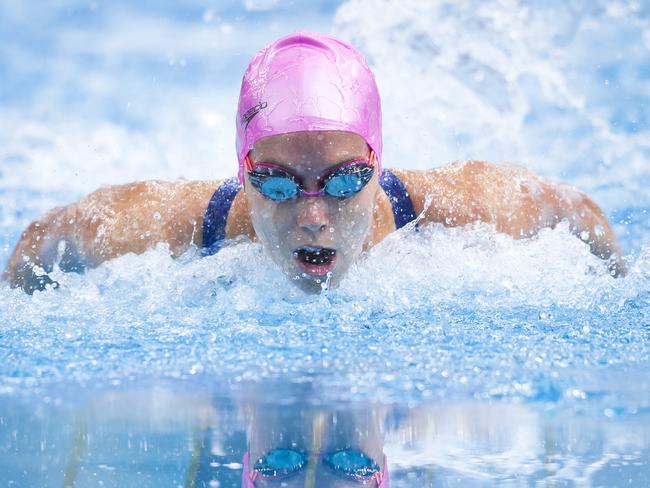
(467, 358)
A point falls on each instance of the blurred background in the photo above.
(95, 93)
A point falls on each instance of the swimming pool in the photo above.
(467, 358)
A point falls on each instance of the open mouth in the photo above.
(315, 260)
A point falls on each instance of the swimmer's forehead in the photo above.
(310, 147)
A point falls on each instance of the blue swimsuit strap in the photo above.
(403, 209)
(216, 215)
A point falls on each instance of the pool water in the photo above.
(465, 357)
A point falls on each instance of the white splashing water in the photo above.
(562, 87)
(416, 318)
(449, 313)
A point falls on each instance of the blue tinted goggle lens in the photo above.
(352, 463)
(279, 186)
(280, 463)
(344, 186)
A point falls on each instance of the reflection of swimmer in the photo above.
(310, 448)
(310, 186)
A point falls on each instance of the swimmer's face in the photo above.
(312, 238)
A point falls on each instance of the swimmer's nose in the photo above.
(313, 215)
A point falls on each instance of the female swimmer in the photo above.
(311, 187)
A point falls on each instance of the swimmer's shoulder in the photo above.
(188, 195)
(190, 201)
(421, 184)
(446, 178)
(238, 222)
(455, 193)
(133, 217)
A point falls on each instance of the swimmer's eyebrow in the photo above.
(340, 161)
(283, 164)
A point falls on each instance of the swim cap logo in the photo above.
(252, 112)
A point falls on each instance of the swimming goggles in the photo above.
(278, 184)
(350, 464)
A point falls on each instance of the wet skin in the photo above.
(134, 217)
(343, 225)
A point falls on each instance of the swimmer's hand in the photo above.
(29, 280)
(616, 267)
(40, 246)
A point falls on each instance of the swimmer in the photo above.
(311, 185)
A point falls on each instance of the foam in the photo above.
(442, 314)
(415, 319)
(543, 85)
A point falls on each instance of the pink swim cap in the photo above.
(307, 82)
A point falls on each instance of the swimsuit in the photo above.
(216, 215)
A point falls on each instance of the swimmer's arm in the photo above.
(37, 250)
(515, 200)
(108, 223)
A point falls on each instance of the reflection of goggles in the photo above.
(347, 463)
(278, 184)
